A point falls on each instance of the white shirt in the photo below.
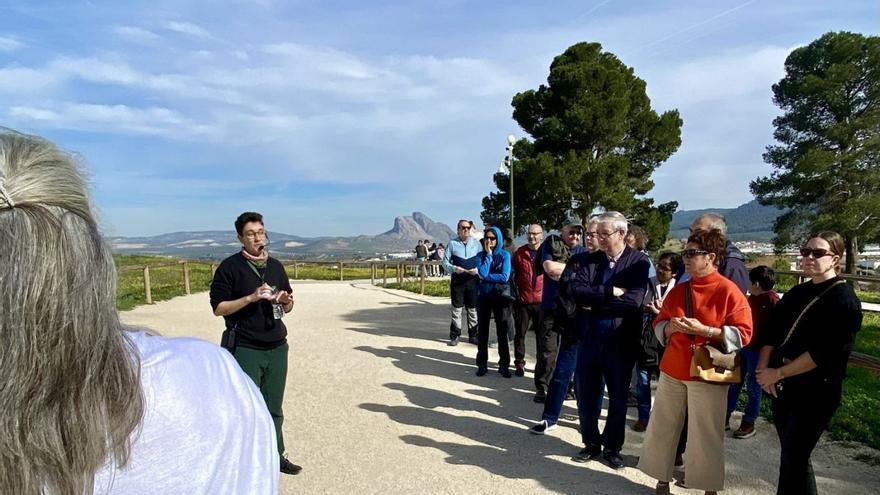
(206, 428)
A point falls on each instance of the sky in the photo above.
(331, 118)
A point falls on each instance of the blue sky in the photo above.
(332, 118)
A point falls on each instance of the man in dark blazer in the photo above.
(608, 287)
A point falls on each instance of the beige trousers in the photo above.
(704, 459)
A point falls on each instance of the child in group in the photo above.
(762, 299)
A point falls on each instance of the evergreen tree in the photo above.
(595, 143)
(826, 163)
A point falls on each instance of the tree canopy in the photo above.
(595, 143)
(826, 163)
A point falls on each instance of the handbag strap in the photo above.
(689, 308)
(808, 306)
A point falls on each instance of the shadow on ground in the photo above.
(506, 448)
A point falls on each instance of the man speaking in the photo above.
(251, 291)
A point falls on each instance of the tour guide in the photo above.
(251, 292)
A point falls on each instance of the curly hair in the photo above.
(712, 241)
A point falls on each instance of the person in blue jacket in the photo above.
(493, 268)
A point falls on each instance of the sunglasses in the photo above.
(816, 253)
(491, 238)
(690, 253)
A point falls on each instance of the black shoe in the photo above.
(540, 397)
(481, 371)
(614, 460)
(288, 467)
(452, 342)
(505, 372)
(520, 370)
(588, 453)
(472, 340)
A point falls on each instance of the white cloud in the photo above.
(187, 28)
(8, 44)
(136, 34)
(152, 121)
(742, 73)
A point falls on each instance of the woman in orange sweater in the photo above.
(721, 316)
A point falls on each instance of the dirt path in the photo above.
(377, 403)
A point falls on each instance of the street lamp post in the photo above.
(507, 166)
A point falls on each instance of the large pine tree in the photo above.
(595, 143)
(827, 162)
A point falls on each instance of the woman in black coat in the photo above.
(803, 358)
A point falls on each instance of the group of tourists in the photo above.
(425, 250)
(90, 406)
(607, 318)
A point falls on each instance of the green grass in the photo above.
(331, 272)
(165, 282)
(432, 287)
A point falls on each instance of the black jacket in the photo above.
(595, 299)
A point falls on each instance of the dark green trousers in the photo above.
(268, 369)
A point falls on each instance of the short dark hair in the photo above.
(245, 218)
(673, 258)
(712, 241)
(764, 276)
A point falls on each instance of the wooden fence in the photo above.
(408, 270)
(401, 271)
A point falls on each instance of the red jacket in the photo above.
(529, 285)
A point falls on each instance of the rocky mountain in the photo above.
(218, 244)
(747, 222)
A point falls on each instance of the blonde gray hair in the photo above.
(70, 393)
(615, 218)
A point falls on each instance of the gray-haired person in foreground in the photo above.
(87, 406)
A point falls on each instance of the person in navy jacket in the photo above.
(608, 287)
(493, 268)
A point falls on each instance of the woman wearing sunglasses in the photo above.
(803, 358)
(720, 316)
(493, 267)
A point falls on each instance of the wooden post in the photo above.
(147, 292)
(340, 271)
(295, 271)
(186, 276)
(372, 273)
(422, 280)
(384, 274)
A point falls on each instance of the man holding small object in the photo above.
(251, 291)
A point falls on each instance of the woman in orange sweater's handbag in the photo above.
(720, 316)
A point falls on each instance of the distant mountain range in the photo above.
(748, 222)
(217, 244)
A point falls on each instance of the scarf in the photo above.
(257, 261)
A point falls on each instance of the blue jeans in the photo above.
(566, 361)
(600, 358)
(643, 393)
(748, 361)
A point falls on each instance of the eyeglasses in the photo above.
(606, 235)
(574, 233)
(690, 253)
(255, 235)
(535, 234)
(816, 253)
(464, 227)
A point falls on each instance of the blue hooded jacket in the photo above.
(495, 268)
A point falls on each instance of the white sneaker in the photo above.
(542, 427)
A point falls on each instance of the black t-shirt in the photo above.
(235, 278)
(827, 330)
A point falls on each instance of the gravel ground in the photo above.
(376, 402)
